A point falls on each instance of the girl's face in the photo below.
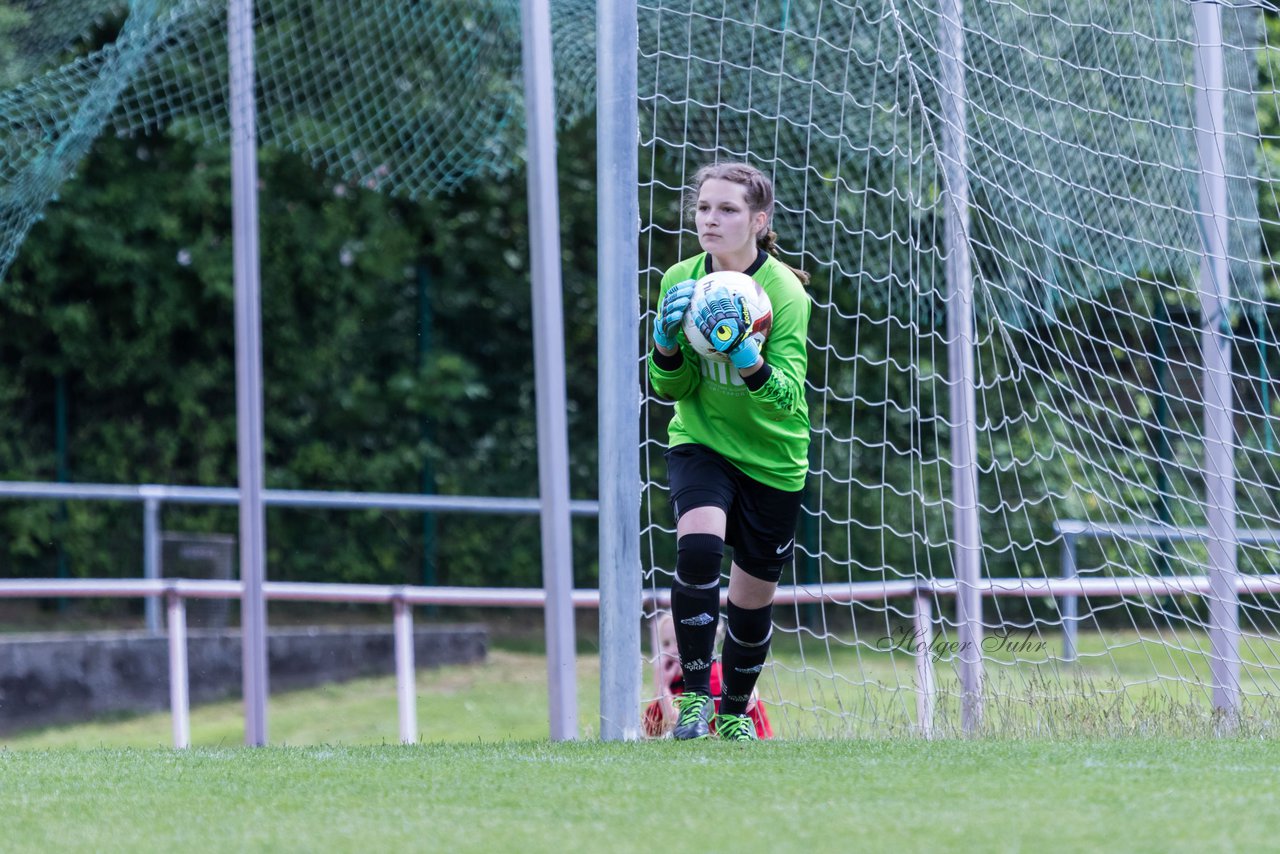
(726, 226)
(667, 637)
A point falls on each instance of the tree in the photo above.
(124, 289)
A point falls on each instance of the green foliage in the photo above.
(125, 291)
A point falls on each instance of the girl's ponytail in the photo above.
(769, 243)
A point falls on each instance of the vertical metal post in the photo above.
(151, 556)
(425, 432)
(967, 547)
(1163, 447)
(1260, 331)
(618, 236)
(179, 693)
(926, 691)
(249, 418)
(810, 537)
(1070, 604)
(64, 471)
(406, 688)
(1215, 343)
(548, 359)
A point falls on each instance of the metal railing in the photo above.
(175, 592)
(153, 498)
(1073, 530)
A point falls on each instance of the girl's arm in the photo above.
(778, 387)
(672, 376)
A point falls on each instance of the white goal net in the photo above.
(1104, 169)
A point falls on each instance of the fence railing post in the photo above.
(925, 686)
(151, 554)
(1070, 604)
(179, 693)
(406, 688)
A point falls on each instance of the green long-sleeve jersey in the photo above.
(765, 431)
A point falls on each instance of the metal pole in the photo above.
(1163, 447)
(64, 472)
(151, 558)
(1215, 343)
(1070, 604)
(179, 695)
(1261, 331)
(926, 691)
(548, 345)
(809, 533)
(617, 183)
(249, 418)
(406, 689)
(967, 547)
(425, 432)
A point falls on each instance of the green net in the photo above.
(408, 98)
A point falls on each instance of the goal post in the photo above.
(617, 188)
(1219, 430)
(967, 545)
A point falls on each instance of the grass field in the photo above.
(486, 779)
(1135, 795)
(1124, 684)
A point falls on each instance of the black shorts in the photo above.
(761, 526)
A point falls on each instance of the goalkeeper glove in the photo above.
(722, 320)
(670, 312)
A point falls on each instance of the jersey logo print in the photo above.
(720, 372)
(782, 548)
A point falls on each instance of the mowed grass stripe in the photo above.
(881, 795)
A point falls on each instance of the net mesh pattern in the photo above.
(409, 98)
(1083, 178)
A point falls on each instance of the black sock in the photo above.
(695, 607)
(746, 646)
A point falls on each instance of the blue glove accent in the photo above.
(745, 355)
(722, 321)
(675, 302)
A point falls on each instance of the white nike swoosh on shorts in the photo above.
(782, 548)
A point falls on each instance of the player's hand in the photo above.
(745, 355)
(675, 302)
(723, 321)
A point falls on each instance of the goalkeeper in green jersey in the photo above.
(739, 444)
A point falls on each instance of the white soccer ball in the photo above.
(755, 304)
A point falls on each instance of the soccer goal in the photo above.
(1043, 474)
(1042, 491)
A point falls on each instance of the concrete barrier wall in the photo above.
(64, 678)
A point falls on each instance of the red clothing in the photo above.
(652, 723)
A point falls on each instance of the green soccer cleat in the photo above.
(695, 711)
(736, 728)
